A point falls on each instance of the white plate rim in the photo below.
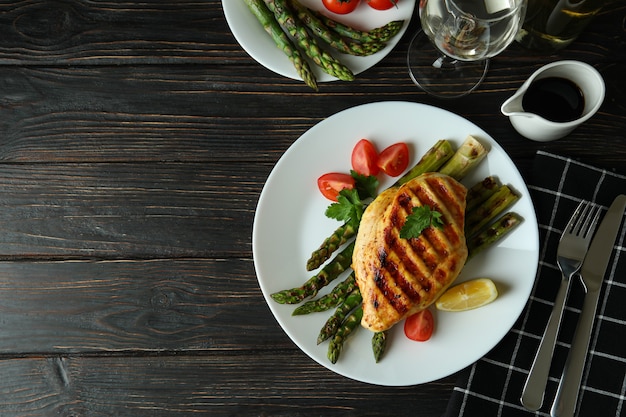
(524, 242)
(258, 44)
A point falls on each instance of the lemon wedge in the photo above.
(468, 295)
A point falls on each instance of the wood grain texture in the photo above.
(135, 139)
(208, 305)
(216, 385)
(145, 113)
(117, 211)
(104, 32)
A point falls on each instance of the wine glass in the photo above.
(449, 56)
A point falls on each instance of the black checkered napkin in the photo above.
(493, 385)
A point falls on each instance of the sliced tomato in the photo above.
(382, 4)
(394, 159)
(341, 6)
(330, 184)
(419, 326)
(365, 158)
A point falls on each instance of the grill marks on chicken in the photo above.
(398, 277)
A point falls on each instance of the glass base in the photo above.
(438, 74)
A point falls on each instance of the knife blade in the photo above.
(592, 273)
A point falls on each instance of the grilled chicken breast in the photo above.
(398, 277)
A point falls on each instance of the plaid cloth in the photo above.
(493, 385)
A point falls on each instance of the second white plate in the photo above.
(260, 46)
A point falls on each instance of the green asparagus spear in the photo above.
(489, 210)
(469, 154)
(380, 34)
(347, 327)
(493, 233)
(480, 192)
(379, 343)
(287, 20)
(340, 236)
(271, 26)
(432, 160)
(352, 301)
(330, 300)
(331, 37)
(310, 288)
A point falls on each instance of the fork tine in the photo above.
(591, 222)
(574, 222)
(584, 220)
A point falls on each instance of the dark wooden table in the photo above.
(135, 138)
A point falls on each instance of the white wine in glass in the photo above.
(449, 56)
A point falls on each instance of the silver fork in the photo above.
(572, 248)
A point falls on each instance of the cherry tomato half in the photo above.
(365, 158)
(330, 184)
(341, 6)
(419, 326)
(382, 4)
(394, 159)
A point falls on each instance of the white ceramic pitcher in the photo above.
(537, 128)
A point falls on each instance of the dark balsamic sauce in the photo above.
(555, 99)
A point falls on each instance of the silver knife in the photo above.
(592, 273)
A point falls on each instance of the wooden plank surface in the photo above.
(149, 113)
(92, 32)
(91, 307)
(128, 211)
(209, 384)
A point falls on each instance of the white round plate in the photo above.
(290, 223)
(260, 46)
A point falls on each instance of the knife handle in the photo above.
(535, 387)
(567, 394)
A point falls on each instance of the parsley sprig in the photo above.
(350, 204)
(367, 186)
(420, 218)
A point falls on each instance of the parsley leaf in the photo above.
(367, 186)
(348, 208)
(420, 218)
